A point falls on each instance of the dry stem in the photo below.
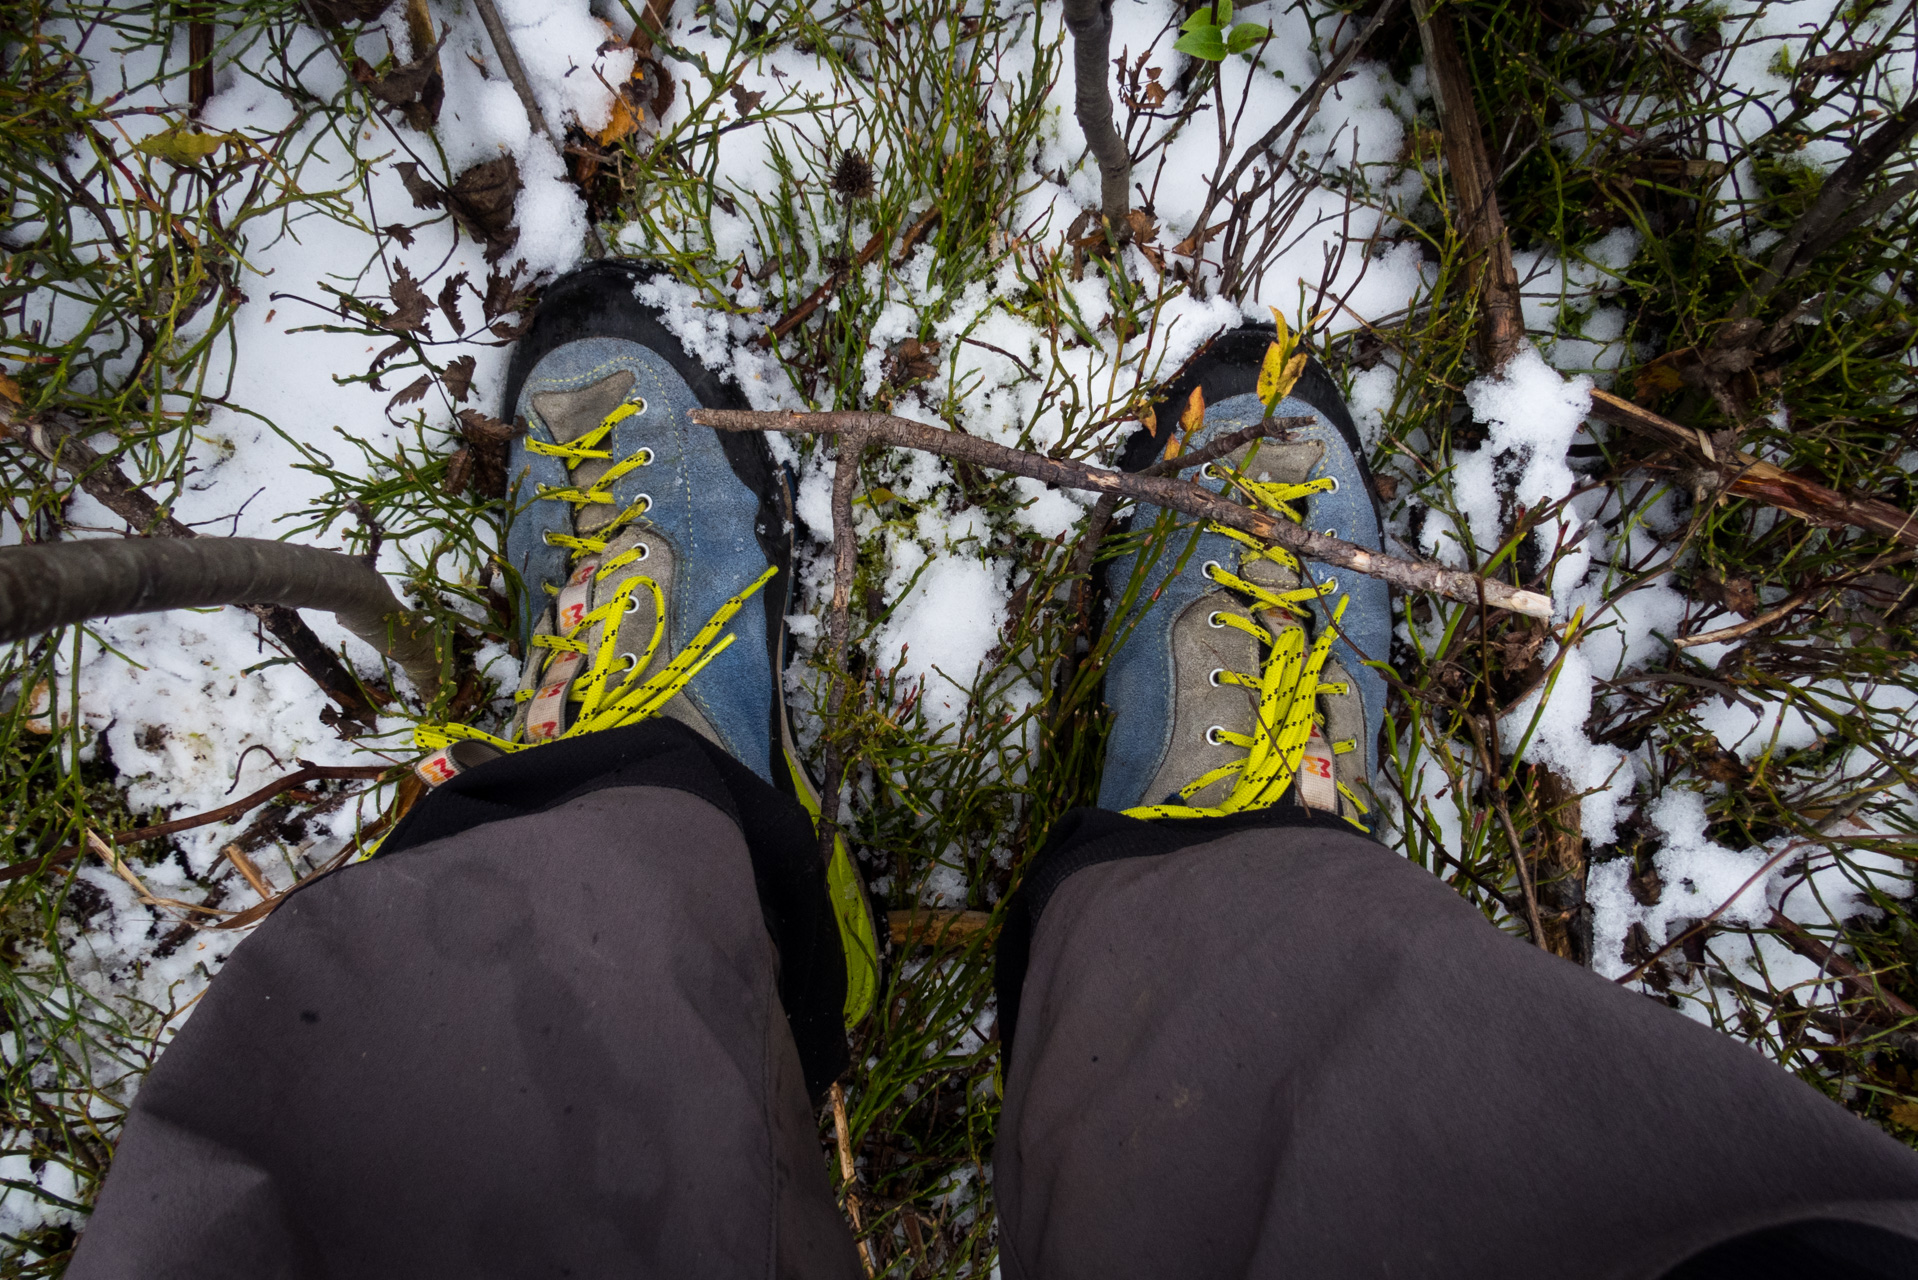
(1178, 495)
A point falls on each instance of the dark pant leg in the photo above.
(549, 1044)
(1289, 1052)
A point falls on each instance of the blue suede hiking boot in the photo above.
(648, 558)
(1242, 683)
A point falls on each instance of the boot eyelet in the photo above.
(1205, 570)
(646, 498)
(1331, 533)
(1214, 677)
(645, 457)
(1216, 620)
(638, 403)
(1209, 472)
(1335, 484)
(632, 604)
(1212, 738)
(642, 551)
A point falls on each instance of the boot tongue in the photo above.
(570, 415)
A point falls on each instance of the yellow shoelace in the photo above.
(603, 701)
(1289, 685)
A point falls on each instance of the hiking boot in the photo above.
(648, 558)
(1242, 684)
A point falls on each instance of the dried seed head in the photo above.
(853, 178)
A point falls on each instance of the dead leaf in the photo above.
(483, 428)
(1190, 246)
(912, 361)
(746, 103)
(505, 302)
(450, 303)
(1904, 1114)
(10, 391)
(411, 393)
(458, 377)
(459, 470)
(410, 302)
(1141, 224)
(1663, 376)
(426, 193)
(481, 200)
(1191, 418)
(1845, 62)
(400, 232)
(409, 86)
(1386, 486)
(654, 19)
(337, 13)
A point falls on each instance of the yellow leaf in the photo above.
(1272, 380)
(1189, 420)
(1905, 1114)
(181, 146)
(1283, 334)
(10, 390)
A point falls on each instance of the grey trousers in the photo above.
(561, 1039)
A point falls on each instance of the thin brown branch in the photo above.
(934, 928)
(1861, 983)
(1306, 106)
(830, 285)
(1474, 184)
(1268, 429)
(1744, 476)
(849, 1176)
(845, 547)
(1178, 495)
(299, 777)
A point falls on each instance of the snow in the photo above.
(189, 717)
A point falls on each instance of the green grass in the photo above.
(968, 799)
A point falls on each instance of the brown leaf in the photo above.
(483, 428)
(746, 103)
(912, 361)
(413, 392)
(481, 200)
(1140, 223)
(450, 302)
(10, 390)
(407, 83)
(387, 354)
(458, 377)
(410, 302)
(506, 302)
(337, 13)
(459, 471)
(426, 193)
(1845, 62)
(1387, 486)
(662, 89)
(400, 232)
(1904, 1114)
(1190, 246)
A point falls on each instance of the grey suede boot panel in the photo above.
(1199, 647)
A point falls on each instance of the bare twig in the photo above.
(1179, 495)
(849, 1175)
(1090, 22)
(1268, 429)
(845, 547)
(830, 285)
(510, 63)
(1474, 181)
(299, 777)
(1745, 476)
(56, 437)
(932, 928)
(248, 872)
(1305, 107)
(1826, 221)
(1864, 984)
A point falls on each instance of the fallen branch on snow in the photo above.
(856, 430)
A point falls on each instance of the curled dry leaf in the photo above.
(481, 200)
(449, 301)
(458, 378)
(411, 393)
(410, 304)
